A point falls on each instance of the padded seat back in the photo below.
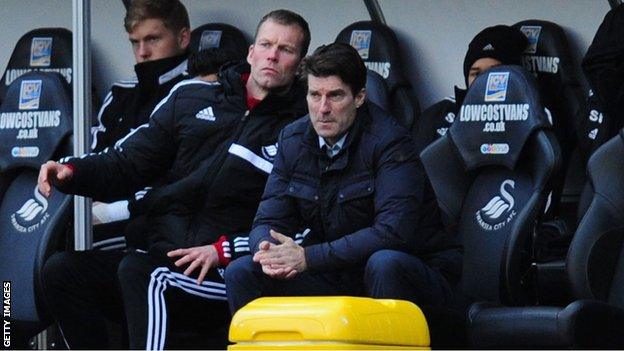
(35, 126)
(376, 90)
(548, 57)
(219, 35)
(491, 174)
(40, 50)
(595, 261)
(379, 48)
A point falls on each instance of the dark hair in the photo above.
(209, 61)
(171, 12)
(288, 18)
(337, 59)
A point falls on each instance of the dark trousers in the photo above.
(245, 282)
(396, 275)
(388, 274)
(84, 289)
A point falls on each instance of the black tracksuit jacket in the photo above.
(213, 154)
(130, 102)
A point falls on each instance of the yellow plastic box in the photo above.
(322, 323)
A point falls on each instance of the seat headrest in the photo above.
(34, 118)
(501, 110)
(40, 50)
(219, 35)
(379, 48)
(548, 54)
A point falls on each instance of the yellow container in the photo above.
(322, 323)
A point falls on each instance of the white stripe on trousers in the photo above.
(160, 279)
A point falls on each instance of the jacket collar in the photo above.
(290, 104)
(152, 74)
(361, 123)
(460, 94)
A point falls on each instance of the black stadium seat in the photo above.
(491, 174)
(379, 48)
(595, 267)
(219, 35)
(548, 57)
(40, 50)
(35, 126)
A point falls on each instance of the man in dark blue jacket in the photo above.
(350, 173)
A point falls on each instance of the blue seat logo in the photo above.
(532, 33)
(496, 89)
(30, 91)
(41, 52)
(210, 39)
(360, 40)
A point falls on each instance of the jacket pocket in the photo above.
(356, 190)
(301, 190)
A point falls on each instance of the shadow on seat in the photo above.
(35, 126)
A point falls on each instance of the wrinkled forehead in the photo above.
(291, 33)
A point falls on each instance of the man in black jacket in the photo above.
(493, 46)
(159, 32)
(350, 173)
(214, 145)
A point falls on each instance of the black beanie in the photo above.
(500, 42)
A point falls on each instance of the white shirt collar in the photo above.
(334, 149)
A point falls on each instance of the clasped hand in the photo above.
(283, 260)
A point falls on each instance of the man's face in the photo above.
(332, 106)
(274, 57)
(151, 40)
(481, 65)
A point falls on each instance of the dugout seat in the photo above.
(35, 126)
(219, 35)
(595, 268)
(491, 174)
(378, 46)
(40, 50)
(548, 57)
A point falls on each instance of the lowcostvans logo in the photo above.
(210, 39)
(499, 210)
(30, 92)
(496, 88)
(41, 52)
(532, 33)
(360, 40)
(32, 214)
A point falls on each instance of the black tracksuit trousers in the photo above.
(84, 289)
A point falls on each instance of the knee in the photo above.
(239, 271)
(130, 268)
(57, 267)
(384, 263)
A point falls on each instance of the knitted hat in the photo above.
(500, 42)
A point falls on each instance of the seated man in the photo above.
(350, 173)
(159, 32)
(213, 144)
(493, 46)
